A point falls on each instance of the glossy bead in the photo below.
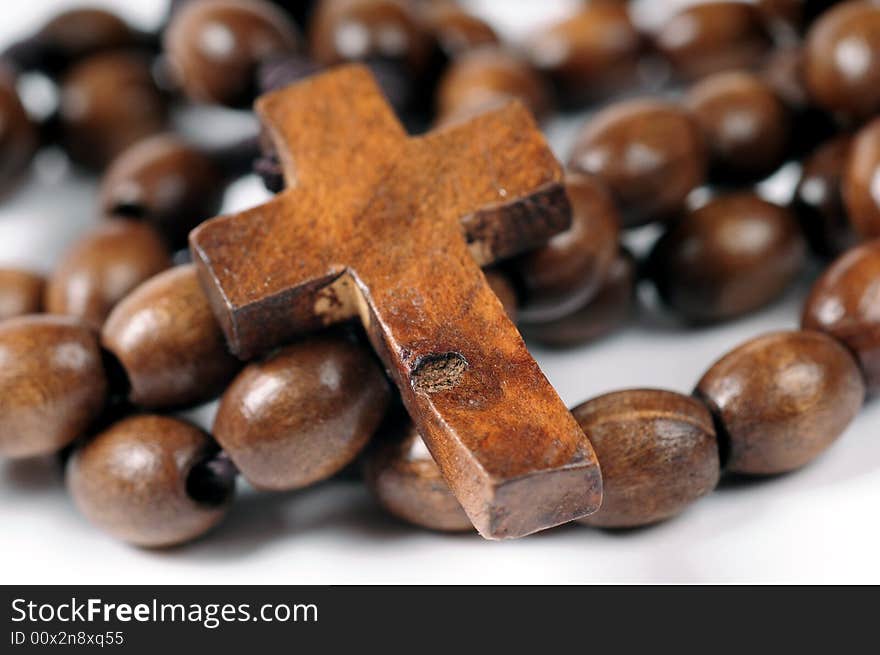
(83, 31)
(136, 480)
(845, 303)
(505, 291)
(18, 134)
(744, 123)
(166, 337)
(818, 199)
(860, 177)
(658, 454)
(21, 293)
(607, 310)
(649, 153)
(166, 182)
(842, 60)
(52, 384)
(566, 273)
(485, 77)
(594, 52)
(214, 47)
(714, 36)
(782, 399)
(455, 30)
(102, 267)
(731, 256)
(108, 102)
(404, 478)
(303, 414)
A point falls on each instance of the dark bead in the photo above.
(455, 30)
(18, 134)
(860, 176)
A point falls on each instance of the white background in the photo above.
(817, 525)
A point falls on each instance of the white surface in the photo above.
(817, 525)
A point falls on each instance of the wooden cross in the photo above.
(394, 229)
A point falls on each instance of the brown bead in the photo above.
(18, 134)
(842, 60)
(21, 293)
(485, 77)
(744, 123)
(505, 291)
(102, 267)
(136, 480)
(731, 256)
(108, 102)
(594, 52)
(406, 481)
(214, 47)
(860, 177)
(303, 414)
(712, 37)
(818, 199)
(782, 399)
(649, 153)
(52, 384)
(845, 303)
(166, 182)
(169, 343)
(608, 309)
(658, 454)
(566, 273)
(455, 30)
(83, 31)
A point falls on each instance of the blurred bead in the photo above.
(21, 293)
(102, 267)
(18, 134)
(455, 30)
(795, 14)
(860, 175)
(279, 71)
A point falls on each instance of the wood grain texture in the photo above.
(393, 229)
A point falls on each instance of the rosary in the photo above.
(367, 320)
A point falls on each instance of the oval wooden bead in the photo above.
(166, 337)
(21, 293)
(18, 134)
(658, 454)
(844, 303)
(455, 30)
(303, 414)
(714, 36)
(567, 272)
(782, 399)
(818, 199)
(102, 267)
(82, 31)
(860, 175)
(406, 481)
(166, 182)
(134, 480)
(52, 384)
(842, 60)
(108, 102)
(744, 123)
(214, 48)
(649, 153)
(731, 256)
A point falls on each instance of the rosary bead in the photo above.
(610, 308)
(842, 60)
(745, 125)
(21, 293)
(781, 399)
(108, 102)
(18, 134)
(592, 53)
(52, 384)
(714, 36)
(658, 454)
(166, 182)
(731, 256)
(844, 303)
(404, 478)
(102, 267)
(649, 153)
(303, 414)
(84, 31)
(487, 76)
(818, 199)
(566, 273)
(860, 176)
(141, 480)
(165, 336)
(455, 30)
(214, 47)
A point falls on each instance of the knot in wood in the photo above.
(435, 373)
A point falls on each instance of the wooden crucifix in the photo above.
(393, 229)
